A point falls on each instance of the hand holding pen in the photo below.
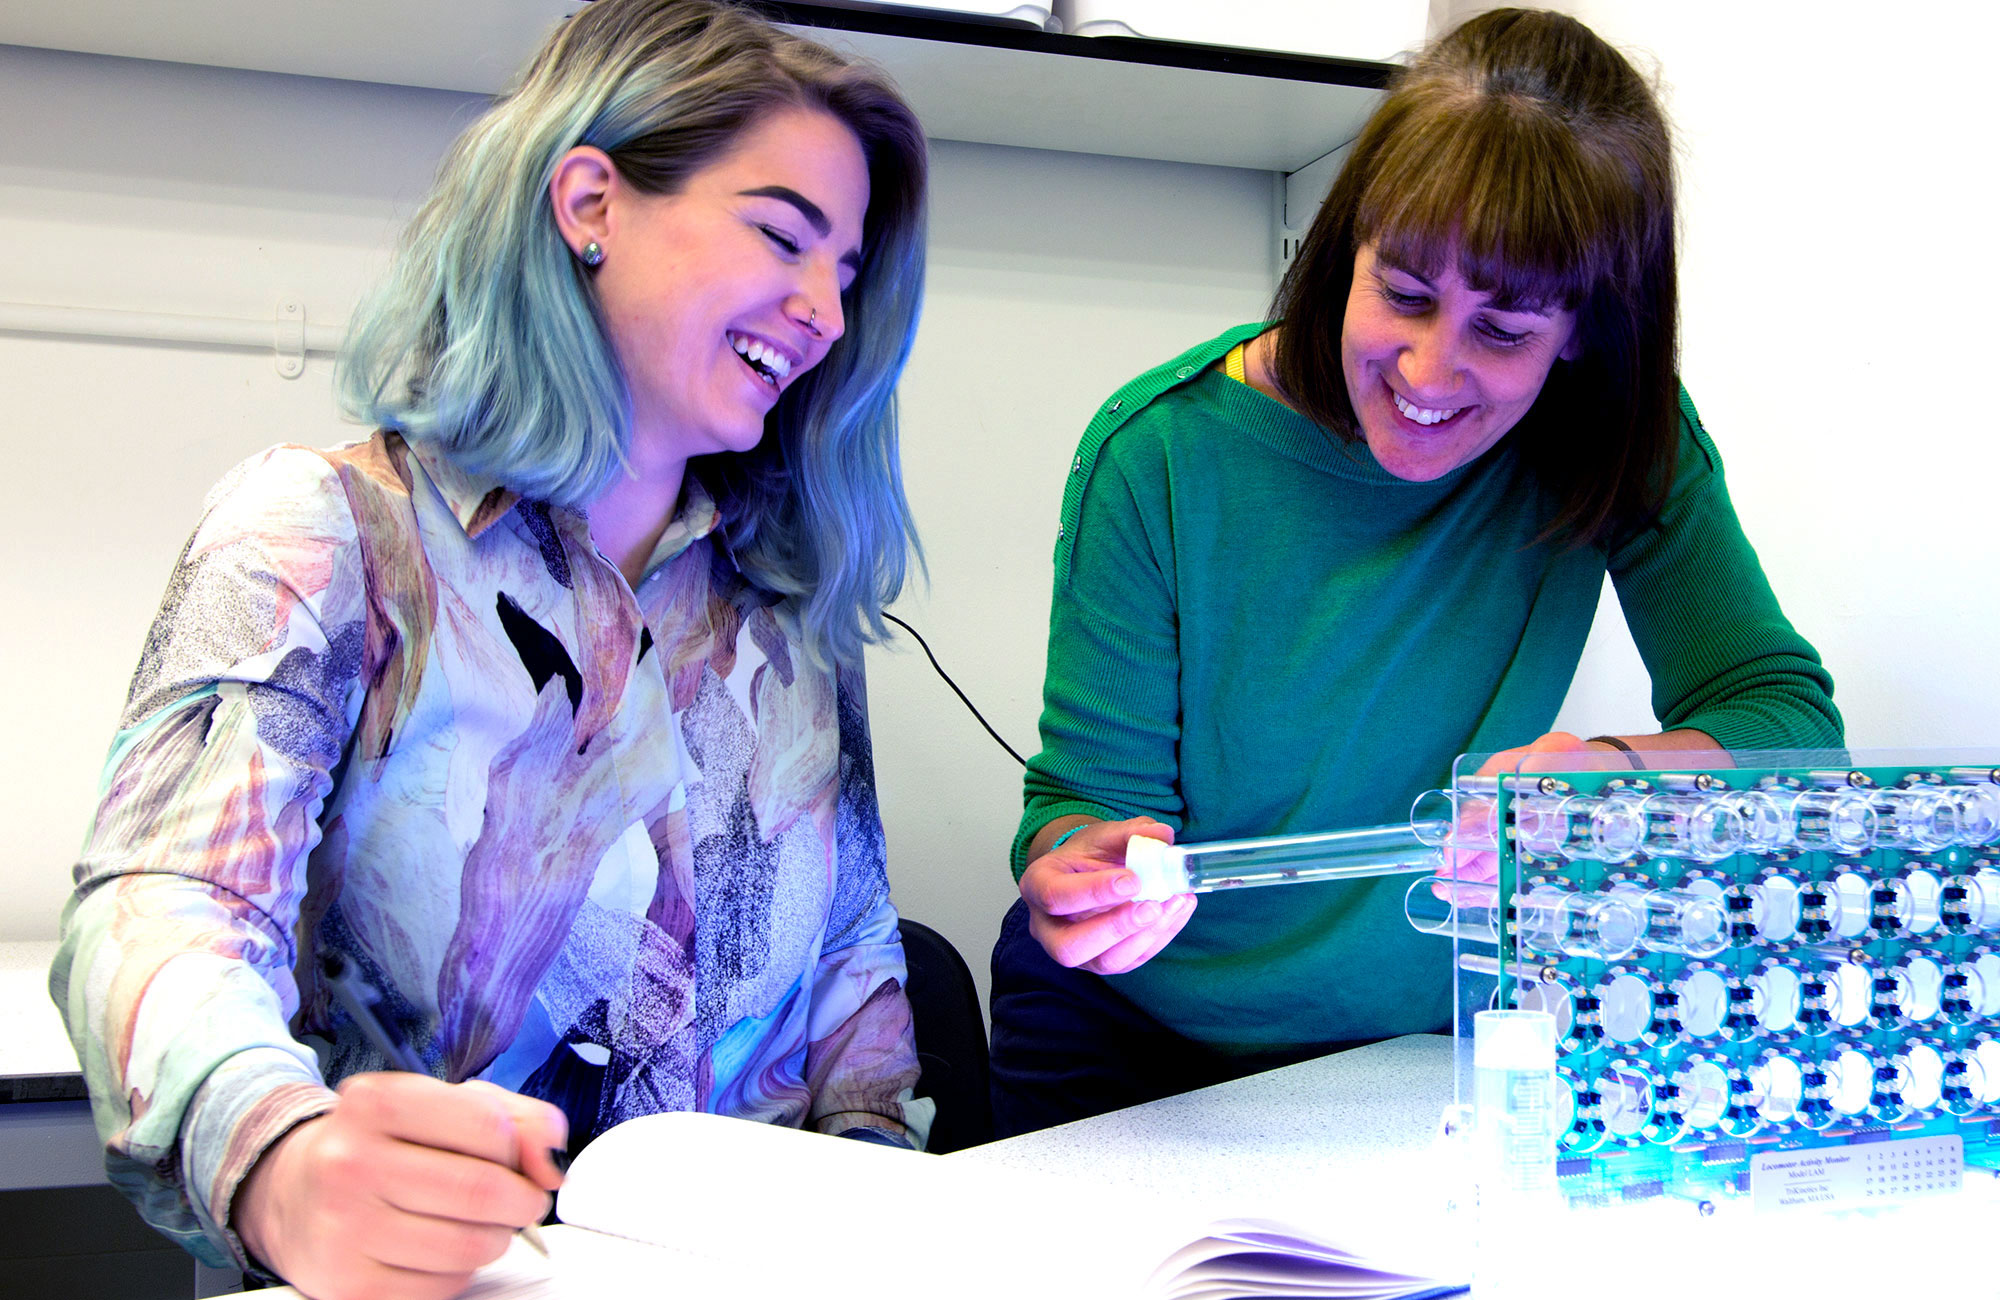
(351, 989)
(405, 1187)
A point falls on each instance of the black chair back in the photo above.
(951, 1039)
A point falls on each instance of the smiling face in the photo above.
(718, 297)
(1436, 370)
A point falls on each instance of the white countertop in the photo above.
(32, 1037)
(1344, 1117)
(1299, 1143)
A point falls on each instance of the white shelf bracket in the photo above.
(1305, 190)
(289, 339)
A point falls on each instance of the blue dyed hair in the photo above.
(485, 340)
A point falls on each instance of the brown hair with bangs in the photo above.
(1533, 153)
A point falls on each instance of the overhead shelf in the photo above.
(986, 82)
(1124, 96)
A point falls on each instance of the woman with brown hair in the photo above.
(1306, 564)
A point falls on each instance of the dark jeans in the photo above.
(1067, 1045)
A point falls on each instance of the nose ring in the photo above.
(812, 322)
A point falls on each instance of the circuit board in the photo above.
(1778, 979)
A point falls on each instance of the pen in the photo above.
(358, 997)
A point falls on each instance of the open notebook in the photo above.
(691, 1204)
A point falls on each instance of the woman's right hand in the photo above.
(403, 1189)
(1080, 906)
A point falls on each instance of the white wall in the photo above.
(156, 187)
(169, 188)
(1054, 278)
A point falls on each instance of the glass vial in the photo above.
(1517, 1124)
(1165, 870)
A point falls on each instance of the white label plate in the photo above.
(1846, 1177)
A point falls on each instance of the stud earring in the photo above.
(592, 254)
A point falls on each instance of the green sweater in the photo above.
(1257, 630)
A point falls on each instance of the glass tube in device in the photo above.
(1767, 821)
(1437, 905)
(1677, 921)
(1834, 821)
(1557, 922)
(1978, 800)
(1924, 818)
(1165, 870)
(1704, 828)
(1610, 828)
(1607, 829)
(1454, 819)
(1550, 920)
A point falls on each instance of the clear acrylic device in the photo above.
(1746, 955)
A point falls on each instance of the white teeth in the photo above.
(1421, 415)
(757, 352)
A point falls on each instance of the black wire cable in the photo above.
(954, 687)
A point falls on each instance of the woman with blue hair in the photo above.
(538, 715)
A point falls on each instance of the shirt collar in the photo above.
(478, 502)
(696, 519)
(475, 502)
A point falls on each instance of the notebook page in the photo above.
(842, 1217)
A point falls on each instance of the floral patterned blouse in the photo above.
(615, 849)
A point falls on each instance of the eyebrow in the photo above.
(814, 215)
(1494, 302)
(1396, 264)
(1519, 306)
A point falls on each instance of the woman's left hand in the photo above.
(1482, 866)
